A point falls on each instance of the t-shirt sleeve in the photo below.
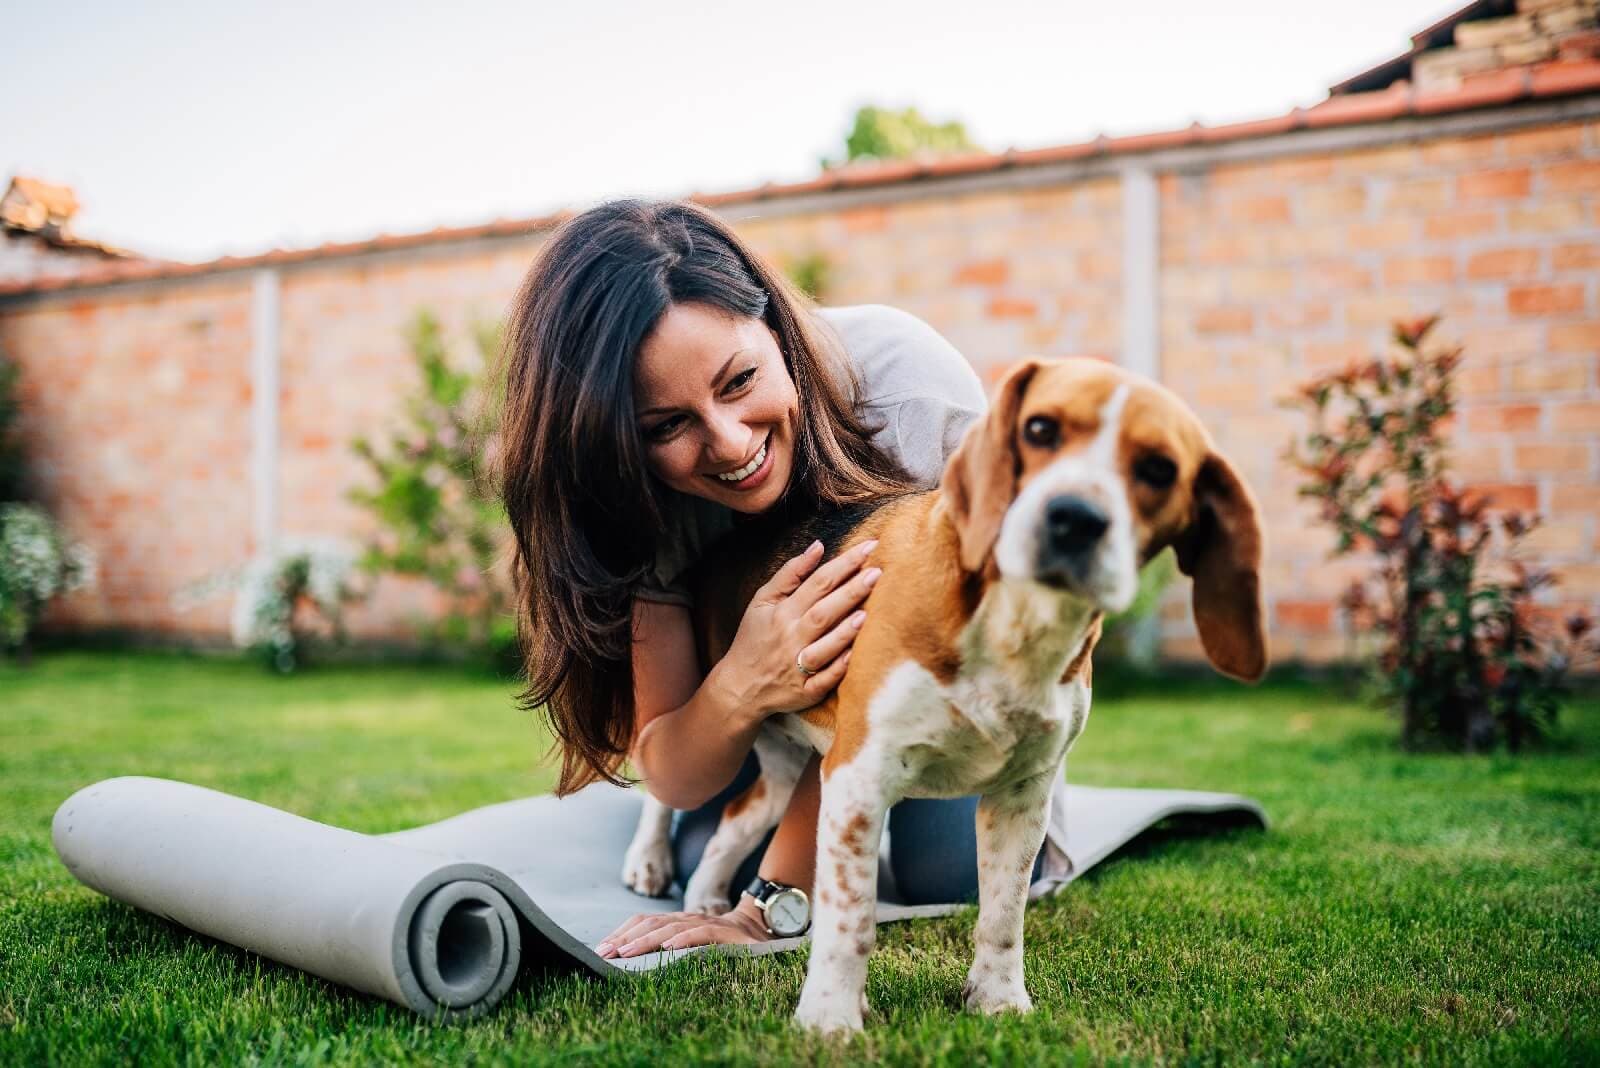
(918, 393)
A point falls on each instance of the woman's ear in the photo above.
(980, 478)
(1221, 550)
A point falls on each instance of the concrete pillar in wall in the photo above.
(265, 318)
(1141, 331)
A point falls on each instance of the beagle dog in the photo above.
(973, 675)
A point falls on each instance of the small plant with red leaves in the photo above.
(1467, 655)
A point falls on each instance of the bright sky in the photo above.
(198, 129)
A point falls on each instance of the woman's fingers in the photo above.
(828, 613)
(829, 677)
(790, 575)
(632, 927)
(829, 577)
(711, 934)
(821, 653)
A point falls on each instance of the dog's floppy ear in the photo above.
(980, 478)
(1221, 550)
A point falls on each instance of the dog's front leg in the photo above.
(647, 865)
(1011, 826)
(745, 820)
(844, 913)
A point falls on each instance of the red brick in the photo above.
(1579, 175)
(1479, 380)
(866, 220)
(1448, 226)
(1322, 356)
(1424, 193)
(1544, 300)
(1552, 457)
(1260, 209)
(1553, 141)
(1519, 495)
(1332, 202)
(1576, 416)
(1460, 150)
(1387, 234)
(1324, 275)
(1550, 376)
(1546, 216)
(1012, 308)
(1487, 185)
(1504, 263)
(1573, 497)
(1582, 256)
(1296, 315)
(1223, 319)
(1305, 615)
(1503, 418)
(1401, 270)
(1575, 337)
(983, 273)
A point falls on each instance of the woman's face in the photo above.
(717, 409)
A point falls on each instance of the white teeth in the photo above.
(748, 469)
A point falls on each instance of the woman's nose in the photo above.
(727, 440)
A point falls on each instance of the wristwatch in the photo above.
(786, 909)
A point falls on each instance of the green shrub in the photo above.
(37, 564)
(1467, 656)
(438, 517)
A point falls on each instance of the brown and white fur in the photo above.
(972, 676)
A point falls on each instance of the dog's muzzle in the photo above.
(1074, 527)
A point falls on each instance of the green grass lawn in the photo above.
(1401, 908)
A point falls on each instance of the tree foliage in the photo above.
(885, 133)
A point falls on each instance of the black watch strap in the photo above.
(761, 889)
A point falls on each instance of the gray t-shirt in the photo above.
(918, 396)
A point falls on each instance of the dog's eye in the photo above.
(1155, 470)
(1041, 431)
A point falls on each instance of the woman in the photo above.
(661, 382)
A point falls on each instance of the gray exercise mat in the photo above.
(442, 918)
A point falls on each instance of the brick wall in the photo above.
(1269, 271)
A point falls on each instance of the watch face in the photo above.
(788, 913)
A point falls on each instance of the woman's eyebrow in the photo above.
(714, 380)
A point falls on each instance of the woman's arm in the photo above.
(690, 734)
(677, 712)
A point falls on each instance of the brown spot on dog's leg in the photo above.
(756, 791)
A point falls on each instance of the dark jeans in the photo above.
(933, 845)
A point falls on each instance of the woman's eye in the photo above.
(1155, 471)
(740, 380)
(664, 429)
(1041, 431)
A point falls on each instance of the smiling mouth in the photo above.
(748, 469)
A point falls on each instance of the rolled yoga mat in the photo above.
(442, 918)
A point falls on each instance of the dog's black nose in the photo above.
(1074, 524)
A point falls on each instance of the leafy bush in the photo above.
(285, 602)
(11, 456)
(438, 517)
(37, 564)
(1466, 655)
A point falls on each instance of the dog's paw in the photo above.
(705, 902)
(647, 868)
(834, 1013)
(986, 993)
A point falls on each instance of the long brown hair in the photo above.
(585, 510)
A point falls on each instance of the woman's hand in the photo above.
(805, 614)
(680, 930)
